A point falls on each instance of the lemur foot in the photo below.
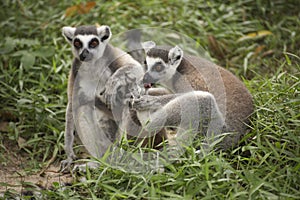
(82, 167)
(145, 102)
(65, 165)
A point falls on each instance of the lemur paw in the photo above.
(145, 102)
(105, 97)
(65, 165)
(82, 167)
(111, 94)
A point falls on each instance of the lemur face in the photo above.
(161, 64)
(88, 42)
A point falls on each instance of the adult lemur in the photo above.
(95, 61)
(189, 77)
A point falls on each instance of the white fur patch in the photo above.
(151, 61)
(85, 39)
(92, 79)
(97, 52)
(164, 77)
(68, 33)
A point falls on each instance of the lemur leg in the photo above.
(152, 101)
(158, 91)
(95, 123)
(191, 113)
(96, 129)
(69, 138)
(97, 132)
(131, 123)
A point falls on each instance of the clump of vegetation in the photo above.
(257, 40)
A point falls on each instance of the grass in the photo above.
(35, 61)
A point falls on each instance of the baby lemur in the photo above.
(203, 90)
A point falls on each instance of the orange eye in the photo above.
(77, 44)
(158, 68)
(94, 43)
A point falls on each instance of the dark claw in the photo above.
(101, 93)
(65, 165)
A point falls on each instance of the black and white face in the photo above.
(161, 64)
(157, 71)
(88, 42)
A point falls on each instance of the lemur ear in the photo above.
(148, 45)
(68, 33)
(175, 55)
(104, 33)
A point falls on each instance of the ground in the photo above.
(17, 178)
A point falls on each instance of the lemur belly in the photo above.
(91, 81)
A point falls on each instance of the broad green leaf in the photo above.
(27, 42)
(8, 46)
(44, 52)
(19, 53)
(28, 59)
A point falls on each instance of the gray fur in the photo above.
(87, 78)
(86, 30)
(233, 102)
(123, 85)
(180, 111)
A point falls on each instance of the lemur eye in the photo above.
(93, 43)
(77, 44)
(158, 68)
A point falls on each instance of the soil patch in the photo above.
(17, 178)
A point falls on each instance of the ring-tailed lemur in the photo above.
(183, 73)
(95, 61)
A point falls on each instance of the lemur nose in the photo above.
(84, 54)
(146, 78)
(148, 81)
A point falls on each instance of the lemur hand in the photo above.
(146, 102)
(112, 92)
(119, 89)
